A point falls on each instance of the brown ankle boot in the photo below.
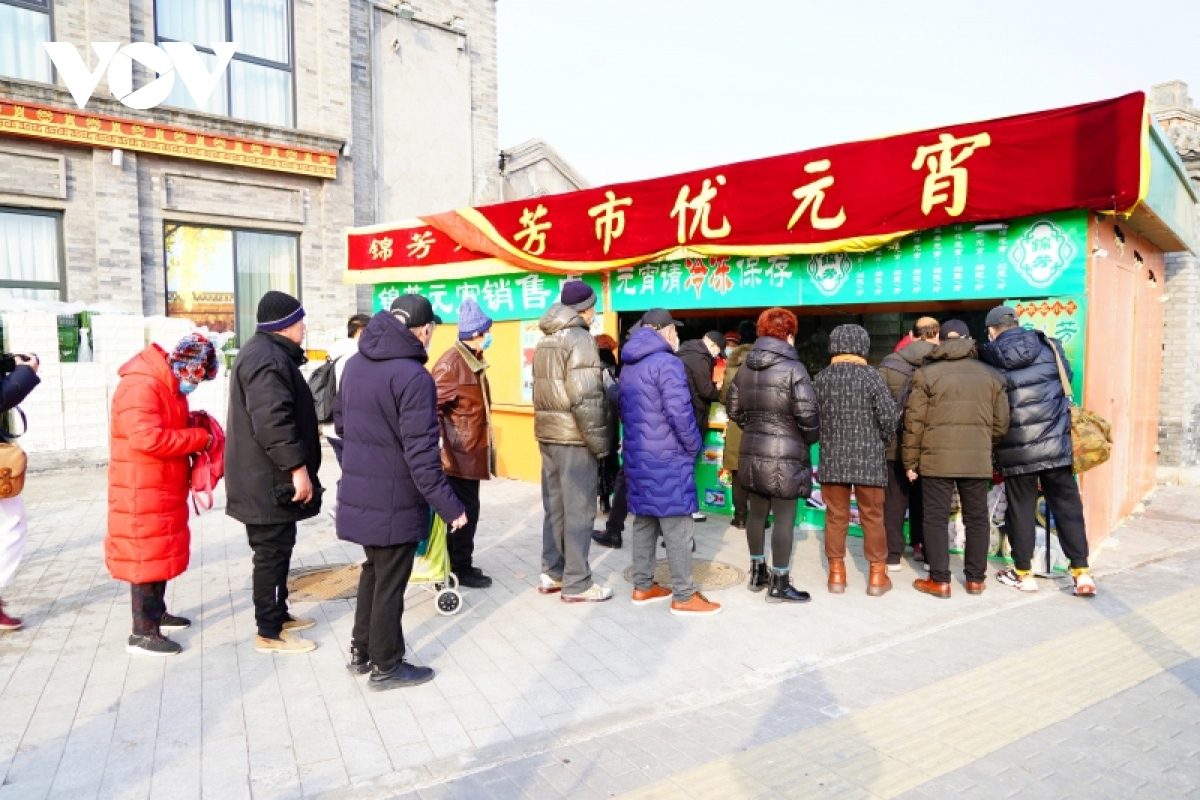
(879, 583)
(837, 575)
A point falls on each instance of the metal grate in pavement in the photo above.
(707, 575)
(324, 583)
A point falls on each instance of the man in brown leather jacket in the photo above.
(571, 420)
(465, 416)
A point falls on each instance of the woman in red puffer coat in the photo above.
(148, 541)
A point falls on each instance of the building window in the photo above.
(215, 276)
(24, 28)
(258, 83)
(31, 263)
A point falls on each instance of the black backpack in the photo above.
(895, 362)
(323, 385)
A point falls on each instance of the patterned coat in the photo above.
(858, 415)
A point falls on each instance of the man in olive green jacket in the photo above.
(957, 411)
(747, 333)
(571, 420)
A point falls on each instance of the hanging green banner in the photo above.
(504, 297)
(1030, 257)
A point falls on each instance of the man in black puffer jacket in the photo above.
(699, 356)
(1036, 449)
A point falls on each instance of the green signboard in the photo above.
(503, 297)
(1031, 257)
(1065, 319)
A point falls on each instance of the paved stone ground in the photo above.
(987, 696)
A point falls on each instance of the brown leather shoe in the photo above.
(930, 586)
(655, 593)
(879, 583)
(837, 575)
(697, 606)
(975, 587)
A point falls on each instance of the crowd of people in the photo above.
(944, 414)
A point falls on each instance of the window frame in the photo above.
(289, 67)
(61, 285)
(234, 230)
(42, 7)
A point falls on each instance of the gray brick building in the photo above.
(331, 114)
(1179, 413)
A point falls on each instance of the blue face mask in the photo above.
(487, 340)
(186, 388)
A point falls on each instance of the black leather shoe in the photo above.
(782, 591)
(759, 576)
(398, 677)
(360, 662)
(473, 578)
(603, 539)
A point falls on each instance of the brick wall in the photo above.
(1179, 408)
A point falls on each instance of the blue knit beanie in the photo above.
(471, 320)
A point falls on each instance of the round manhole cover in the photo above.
(324, 583)
(707, 575)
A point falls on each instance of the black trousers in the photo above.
(377, 626)
(149, 606)
(461, 543)
(972, 492)
(1062, 501)
(615, 525)
(902, 496)
(741, 499)
(781, 535)
(272, 546)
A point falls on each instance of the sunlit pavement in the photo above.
(1002, 694)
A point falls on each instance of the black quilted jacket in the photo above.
(773, 401)
(1039, 430)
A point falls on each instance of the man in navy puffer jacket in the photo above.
(1036, 450)
(661, 445)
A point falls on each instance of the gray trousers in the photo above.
(570, 482)
(677, 534)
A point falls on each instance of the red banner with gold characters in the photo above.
(411, 251)
(847, 197)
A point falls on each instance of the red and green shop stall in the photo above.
(1064, 214)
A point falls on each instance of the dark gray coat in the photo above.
(1039, 429)
(858, 416)
(271, 430)
(773, 401)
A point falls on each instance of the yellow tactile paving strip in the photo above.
(899, 744)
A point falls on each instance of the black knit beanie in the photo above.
(277, 311)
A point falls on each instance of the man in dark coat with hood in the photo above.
(387, 416)
(1037, 448)
(661, 445)
(272, 456)
(699, 357)
(904, 496)
(957, 411)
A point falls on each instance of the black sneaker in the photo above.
(170, 622)
(398, 677)
(360, 662)
(605, 539)
(152, 645)
(473, 578)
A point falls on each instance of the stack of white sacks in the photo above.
(71, 408)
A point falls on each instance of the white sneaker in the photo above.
(1084, 585)
(548, 585)
(1022, 583)
(698, 516)
(895, 567)
(593, 594)
(925, 566)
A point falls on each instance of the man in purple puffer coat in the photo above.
(661, 445)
